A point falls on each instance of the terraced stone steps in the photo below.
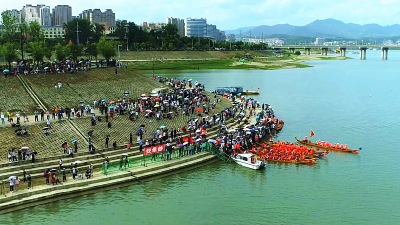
(24, 198)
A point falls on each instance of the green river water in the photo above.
(352, 102)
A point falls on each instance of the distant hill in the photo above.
(237, 31)
(328, 28)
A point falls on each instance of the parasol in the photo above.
(125, 154)
(45, 128)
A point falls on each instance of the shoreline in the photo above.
(258, 63)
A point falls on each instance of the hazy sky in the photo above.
(232, 14)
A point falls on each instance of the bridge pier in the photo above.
(385, 51)
(307, 51)
(363, 53)
(342, 51)
(324, 51)
(292, 50)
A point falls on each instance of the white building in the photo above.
(30, 13)
(320, 41)
(52, 32)
(179, 23)
(196, 27)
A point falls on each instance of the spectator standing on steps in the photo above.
(36, 113)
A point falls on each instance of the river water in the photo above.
(352, 102)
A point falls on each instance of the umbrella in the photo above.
(143, 95)
(198, 140)
(257, 117)
(104, 100)
(18, 130)
(199, 110)
(190, 80)
(186, 99)
(55, 60)
(142, 125)
(74, 141)
(53, 170)
(179, 97)
(112, 107)
(252, 124)
(144, 98)
(125, 154)
(35, 152)
(25, 148)
(212, 141)
(232, 131)
(149, 111)
(112, 102)
(81, 102)
(163, 127)
(12, 177)
(46, 68)
(45, 128)
(156, 106)
(6, 71)
(77, 162)
(157, 99)
(185, 143)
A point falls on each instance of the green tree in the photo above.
(61, 52)
(9, 27)
(36, 32)
(98, 31)
(48, 53)
(297, 53)
(92, 50)
(37, 51)
(120, 29)
(9, 52)
(75, 51)
(107, 48)
(23, 31)
(85, 29)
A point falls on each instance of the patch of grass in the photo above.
(149, 55)
(95, 84)
(13, 97)
(36, 140)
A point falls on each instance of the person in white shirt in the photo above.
(2, 118)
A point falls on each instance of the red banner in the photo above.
(154, 150)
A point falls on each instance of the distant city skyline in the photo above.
(233, 14)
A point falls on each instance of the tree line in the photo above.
(19, 39)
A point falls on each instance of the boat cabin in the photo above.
(250, 158)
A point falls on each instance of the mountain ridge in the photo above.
(328, 28)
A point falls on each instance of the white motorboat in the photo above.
(249, 161)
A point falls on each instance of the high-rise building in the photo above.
(44, 15)
(96, 16)
(31, 13)
(61, 14)
(179, 23)
(195, 27)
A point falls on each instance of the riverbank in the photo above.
(259, 63)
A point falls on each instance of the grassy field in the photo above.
(257, 63)
(13, 97)
(95, 84)
(36, 140)
(149, 55)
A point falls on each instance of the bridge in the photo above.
(342, 48)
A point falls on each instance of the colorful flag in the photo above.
(312, 134)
